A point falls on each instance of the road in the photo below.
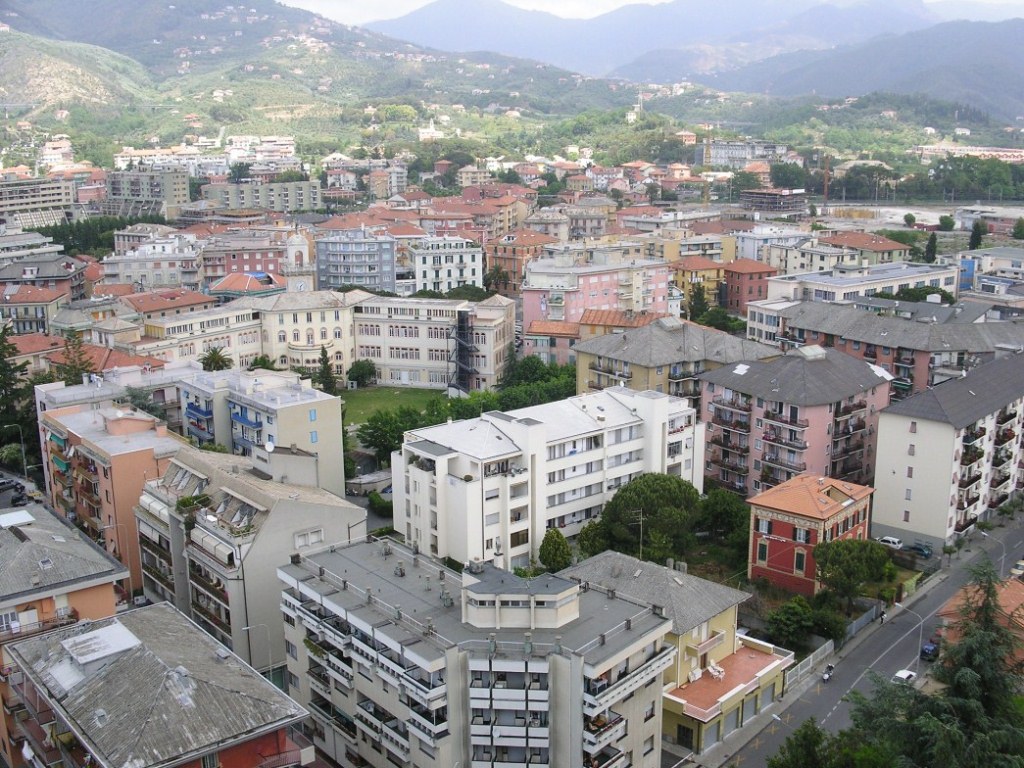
(882, 650)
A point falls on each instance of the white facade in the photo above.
(444, 263)
(489, 488)
(166, 262)
(848, 282)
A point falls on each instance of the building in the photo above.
(871, 248)
(753, 243)
(35, 202)
(54, 271)
(83, 684)
(489, 488)
(27, 309)
(813, 410)
(134, 235)
(807, 254)
(213, 529)
(736, 153)
(17, 244)
(665, 356)
(1009, 599)
(146, 193)
(283, 197)
(720, 679)
(95, 463)
(510, 254)
(851, 281)
(399, 658)
(53, 576)
(252, 251)
(693, 272)
(356, 257)
(444, 263)
(248, 411)
(172, 303)
(236, 286)
(788, 521)
(746, 280)
(777, 202)
(954, 452)
(170, 261)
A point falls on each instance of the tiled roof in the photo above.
(103, 358)
(696, 264)
(749, 266)
(113, 289)
(34, 343)
(863, 241)
(248, 282)
(30, 294)
(811, 496)
(617, 318)
(688, 600)
(962, 401)
(154, 301)
(554, 328)
(525, 237)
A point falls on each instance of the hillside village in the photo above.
(181, 410)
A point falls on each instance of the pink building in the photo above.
(813, 410)
(568, 280)
(746, 280)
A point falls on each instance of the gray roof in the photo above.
(809, 375)
(668, 340)
(491, 581)
(40, 552)
(926, 311)
(920, 334)
(149, 688)
(960, 402)
(48, 265)
(688, 600)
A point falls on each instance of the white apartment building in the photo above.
(807, 255)
(213, 530)
(950, 456)
(750, 245)
(402, 661)
(234, 327)
(444, 263)
(284, 197)
(489, 488)
(851, 281)
(165, 262)
(249, 411)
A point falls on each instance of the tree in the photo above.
(931, 248)
(698, 303)
(216, 359)
(648, 507)
(262, 363)
(809, 746)
(978, 232)
(324, 378)
(717, 317)
(382, 434)
(909, 219)
(592, 539)
(554, 552)
(141, 400)
(788, 176)
(791, 623)
(239, 172)
(467, 292)
(727, 517)
(362, 372)
(946, 223)
(845, 564)
(744, 180)
(812, 210)
(16, 393)
(496, 277)
(76, 361)
(1017, 233)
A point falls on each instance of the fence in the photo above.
(795, 674)
(871, 612)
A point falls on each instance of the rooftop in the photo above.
(149, 688)
(156, 301)
(856, 274)
(809, 496)
(114, 432)
(864, 241)
(259, 388)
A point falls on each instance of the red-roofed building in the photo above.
(746, 280)
(30, 309)
(873, 248)
(33, 349)
(552, 340)
(235, 286)
(598, 322)
(511, 253)
(103, 358)
(1010, 613)
(113, 289)
(177, 301)
(788, 521)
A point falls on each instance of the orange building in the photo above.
(512, 253)
(96, 463)
(788, 521)
(52, 576)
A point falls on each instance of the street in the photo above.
(880, 649)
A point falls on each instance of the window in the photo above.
(906, 515)
(910, 449)
(6, 619)
(762, 551)
(649, 712)
(291, 649)
(313, 436)
(212, 760)
(648, 745)
(913, 426)
(764, 526)
(293, 685)
(800, 561)
(802, 535)
(312, 414)
(910, 471)
(907, 495)
(309, 538)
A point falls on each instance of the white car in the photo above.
(1018, 569)
(891, 541)
(905, 677)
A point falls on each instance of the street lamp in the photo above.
(121, 550)
(267, 630)
(21, 438)
(1002, 557)
(920, 634)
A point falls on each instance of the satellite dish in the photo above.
(269, 446)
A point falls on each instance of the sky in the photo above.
(364, 11)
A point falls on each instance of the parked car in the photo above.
(6, 484)
(1018, 569)
(919, 548)
(905, 677)
(929, 651)
(19, 500)
(891, 541)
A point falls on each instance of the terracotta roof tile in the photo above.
(811, 496)
(34, 343)
(617, 318)
(749, 266)
(103, 358)
(696, 263)
(554, 328)
(157, 300)
(863, 241)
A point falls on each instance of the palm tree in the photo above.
(263, 362)
(216, 359)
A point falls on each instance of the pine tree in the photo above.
(978, 232)
(1018, 229)
(76, 361)
(324, 377)
(931, 248)
(13, 381)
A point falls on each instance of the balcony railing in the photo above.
(192, 409)
(739, 467)
(1005, 417)
(971, 479)
(973, 436)
(778, 461)
(848, 409)
(736, 425)
(847, 449)
(167, 579)
(1004, 436)
(255, 423)
(776, 438)
(970, 456)
(967, 502)
(781, 418)
(211, 617)
(608, 370)
(295, 744)
(733, 403)
(722, 442)
(26, 630)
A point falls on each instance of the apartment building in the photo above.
(930, 346)
(489, 488)
(246, 252)
(848, 282)
(745, 281)
(356, 257)
(82, 685)
(510, 255)
(400, 659)
(691, 273)
(28, 309)
(752, 243)
(789, 520)
(170, 262)
(283, 197)
(813, 410)
(246, 411)
(17, 244)
(871, 248)
(55, 271)
(95, 464)
(665, 356)
(214, 527)
(967, 429)
(35, 202)
(234, 327)
(435, 343)
(720, 679)
(736, 153)
(38, 597)
(444, 263)
(145, 193)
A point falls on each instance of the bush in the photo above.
(379, 505)
(830, 624)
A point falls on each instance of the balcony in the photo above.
(245, 419)
(970, 456)
(973, 436)
(598, 695)
(211, 618)
(775, 417)
(297, 751)
(1005, 417)
(998, 501)
(736, 425)
(785, 463)
(739, 467)
(208, 584)
(968, 501)
(682, 374)
(970, 479)
(334, 716)
(776, 438)
(600, 731)
(1004, 436)
(163, 577)
(608, 370)
(609, 757)
(849, 409)
(847, 428)
(198, 411)
(733, 404)
(723, 442)
(27, 630)
(155, 549)
(847, 449)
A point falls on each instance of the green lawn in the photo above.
(361, 403)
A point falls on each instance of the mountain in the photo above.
(601, 45)
(952, 10)
(977, 63)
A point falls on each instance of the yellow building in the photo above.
(693, 271)
(719, 679)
